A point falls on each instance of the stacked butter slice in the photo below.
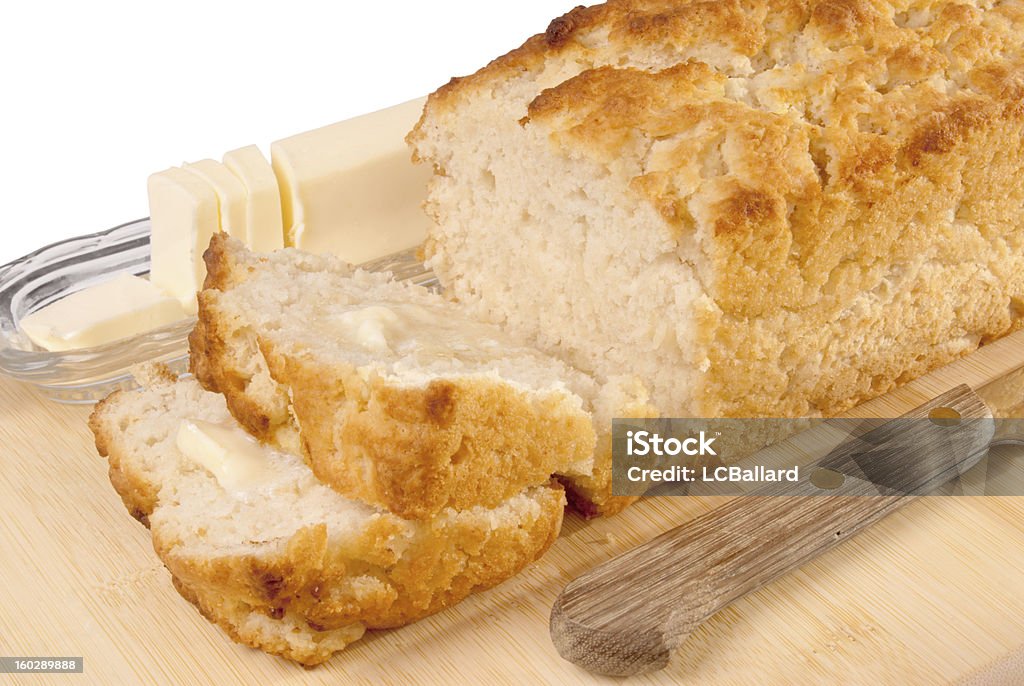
(189, 204)
(349, 189)
(354, 453)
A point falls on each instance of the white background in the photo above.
(97, 95)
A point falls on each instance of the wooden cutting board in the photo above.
(934, 594)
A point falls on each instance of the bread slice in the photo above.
(393, 394)
(287, 564)
(760, 208)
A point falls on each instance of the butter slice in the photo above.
(231, 195)
(371, 327)
(264, 230)
(237, 460)
(351, 188)
(124, 306)
(183, 216)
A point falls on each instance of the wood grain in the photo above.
(626, 616)
(929, 595)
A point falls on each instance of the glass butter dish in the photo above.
(36, 280)
(86, 375)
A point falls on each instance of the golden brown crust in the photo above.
(456, 442)
(629, 23)
(856, 136)
(368, 582)
(453, 443)
(221, 366)
(287, 636)
(380, 578)
(220, 358)
(626, 22)
(223, 269)
(591, 495)
(138, 495)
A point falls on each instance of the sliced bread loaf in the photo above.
(394, 395)
(282, 562)
(761, 207)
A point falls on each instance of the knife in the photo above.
(627, 615)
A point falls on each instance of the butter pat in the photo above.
(264, 231)
(236, 459)
(231, 195)
(124, 306)
(351, 188)
(371, 327)
(183, 216)
(396, 330)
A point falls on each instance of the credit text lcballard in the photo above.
(646, 443)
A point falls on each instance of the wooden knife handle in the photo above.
(626, 615)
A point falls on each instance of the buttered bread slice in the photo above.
(280, 561)
(394, 395)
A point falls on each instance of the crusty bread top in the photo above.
(730, 114)
(834, 185)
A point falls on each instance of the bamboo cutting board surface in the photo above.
(931, 595)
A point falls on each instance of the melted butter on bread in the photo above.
(236, 459)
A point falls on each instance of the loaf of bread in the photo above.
(394, 395)
(759, 207)
(284, 563)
